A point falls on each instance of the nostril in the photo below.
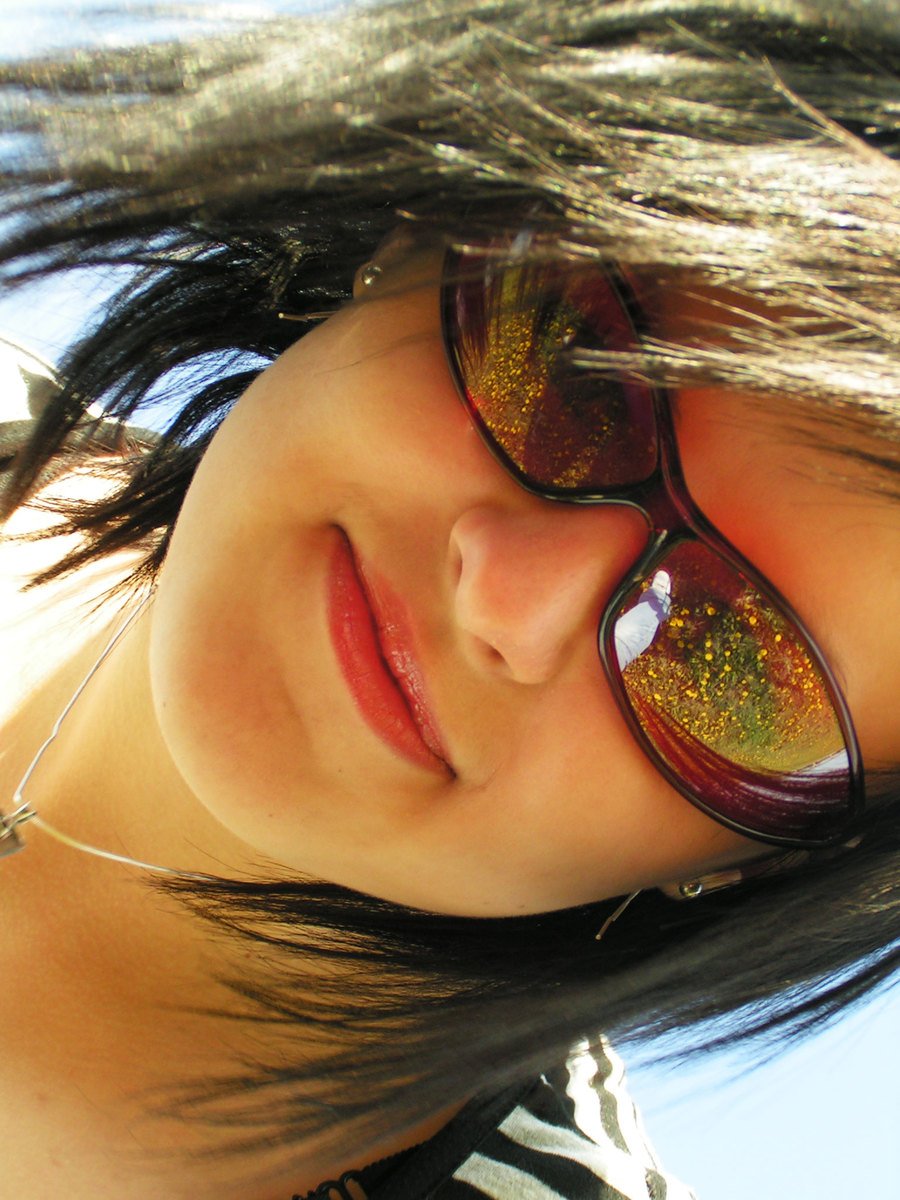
(487, 655)
(456, 565)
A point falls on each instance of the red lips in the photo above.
(375, 648)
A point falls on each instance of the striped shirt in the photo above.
(572, 1134)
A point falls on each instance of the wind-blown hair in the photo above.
(734, 145)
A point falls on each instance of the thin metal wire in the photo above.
(614, 916)
(23, 813)
(305, 317)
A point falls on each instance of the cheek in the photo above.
(236, 654)
(573, 811)
(214, 693)
(214, 658)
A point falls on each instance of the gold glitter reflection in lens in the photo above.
(559, 425)
(727, 667)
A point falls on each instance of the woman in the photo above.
(352, 715)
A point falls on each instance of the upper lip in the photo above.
(396, 637)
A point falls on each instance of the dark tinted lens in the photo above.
(732, 700)
(514, 332)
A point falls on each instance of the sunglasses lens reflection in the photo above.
(515, 333)
(727, 693)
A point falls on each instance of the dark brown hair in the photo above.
(749, 146)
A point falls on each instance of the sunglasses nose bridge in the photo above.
(665, 505)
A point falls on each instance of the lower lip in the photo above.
(374, 689)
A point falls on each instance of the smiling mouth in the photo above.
(374, 647)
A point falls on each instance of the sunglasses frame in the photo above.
(672, 517)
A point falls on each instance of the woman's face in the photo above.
(374, 655)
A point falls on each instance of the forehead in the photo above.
(794, 366)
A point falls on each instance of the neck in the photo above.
(104, 973)
(105, 775)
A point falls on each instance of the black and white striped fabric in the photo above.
(573, 1134)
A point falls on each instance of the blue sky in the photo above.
(820, 1123)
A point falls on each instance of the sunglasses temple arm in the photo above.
(764, 868)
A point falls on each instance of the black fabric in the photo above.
(561, 1175)
(432, 1164)
(414, 1174)
(557, 1098)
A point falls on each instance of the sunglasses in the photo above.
(721, 684)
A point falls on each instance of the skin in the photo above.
(237, 748)
(552, 799)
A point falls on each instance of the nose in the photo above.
(532, 580)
